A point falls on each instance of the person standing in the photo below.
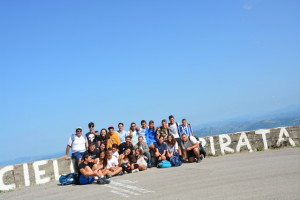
(163, 130)
(92, 135)
(77, 143)
(186, 128)
(142, 130)
(113, 137)
(151, 134)
(133, 133)
(174, 130)
(122, 133)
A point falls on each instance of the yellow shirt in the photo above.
(113, 139)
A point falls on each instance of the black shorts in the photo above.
(191, 153)
(178, 140)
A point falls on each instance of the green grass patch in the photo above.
(260, 149)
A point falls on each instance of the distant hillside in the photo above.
(272, 120)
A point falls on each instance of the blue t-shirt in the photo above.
(161, 147)
(150, 136)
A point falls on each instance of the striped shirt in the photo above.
(188, 130)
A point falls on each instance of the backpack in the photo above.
(164, 164)
(68, 179)
(175, 160)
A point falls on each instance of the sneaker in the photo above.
(198, 160)
(121, 173)
(135, 171)
(201, 157)
(101, 181)
(106, 181)
(108, 176)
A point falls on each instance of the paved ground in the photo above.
(273, 174)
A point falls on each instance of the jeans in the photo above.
(148, 155)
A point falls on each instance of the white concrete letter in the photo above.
(224, 146)
(72, 166)
(263, 133)
(242, 142)
(38, 173)
(26, 174)
(284, 132)
(212, 145)
(203, 141)
(56, 171)
(2, 172)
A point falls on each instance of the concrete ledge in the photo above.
(41, 172)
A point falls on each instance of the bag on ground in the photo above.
(164, 164)
(175, 160)
(68, 179)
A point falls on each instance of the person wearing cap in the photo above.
(77, 143)
(113, 137)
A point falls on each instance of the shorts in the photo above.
(77, 155)
(178, 140)
(83, 180)
(191, 153)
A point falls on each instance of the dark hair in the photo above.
(121, 124)
(143, 121)
(161, 137)
(104, 159)
(91, 124)
(173, 141)
(140, 137)
(115, 146)
(171, 116)
(132, 123)
(128, 136)
(140, 151)
(109, 149)
(164, 120)
(151, 122)
(183, 119)
(91, 144)
(85, 155)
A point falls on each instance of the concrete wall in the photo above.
(41, 172)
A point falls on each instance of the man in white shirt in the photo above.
(77, 144)
(173, 130)
(190, 148)
(112, 165)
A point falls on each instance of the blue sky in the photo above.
(66, 63)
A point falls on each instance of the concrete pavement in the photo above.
(272, 174)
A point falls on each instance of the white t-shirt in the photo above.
(141, 160)
(112, 162)
(134, 138)
(123, 135)
(142, 132)
(189, 143)
(116, 154)
(78, 145)
(172, 148)
(174, 130)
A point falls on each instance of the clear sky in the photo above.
(66, 63)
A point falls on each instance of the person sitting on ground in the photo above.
(127, 161)
(140, 160)
(112, 165)
(163, 130)
(190, 148)
(102, 164)
(172, 146)
(160, 149)
(113, 137)
(88, 171)
(115, 149)
(133, 132)
(77, 142)
(102, 147)
(93, 152)
(103, 137)
(144, 147)
(92, 135)
(125, 145)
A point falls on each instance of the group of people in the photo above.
(101, 155)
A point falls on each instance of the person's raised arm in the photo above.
(67, 152)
